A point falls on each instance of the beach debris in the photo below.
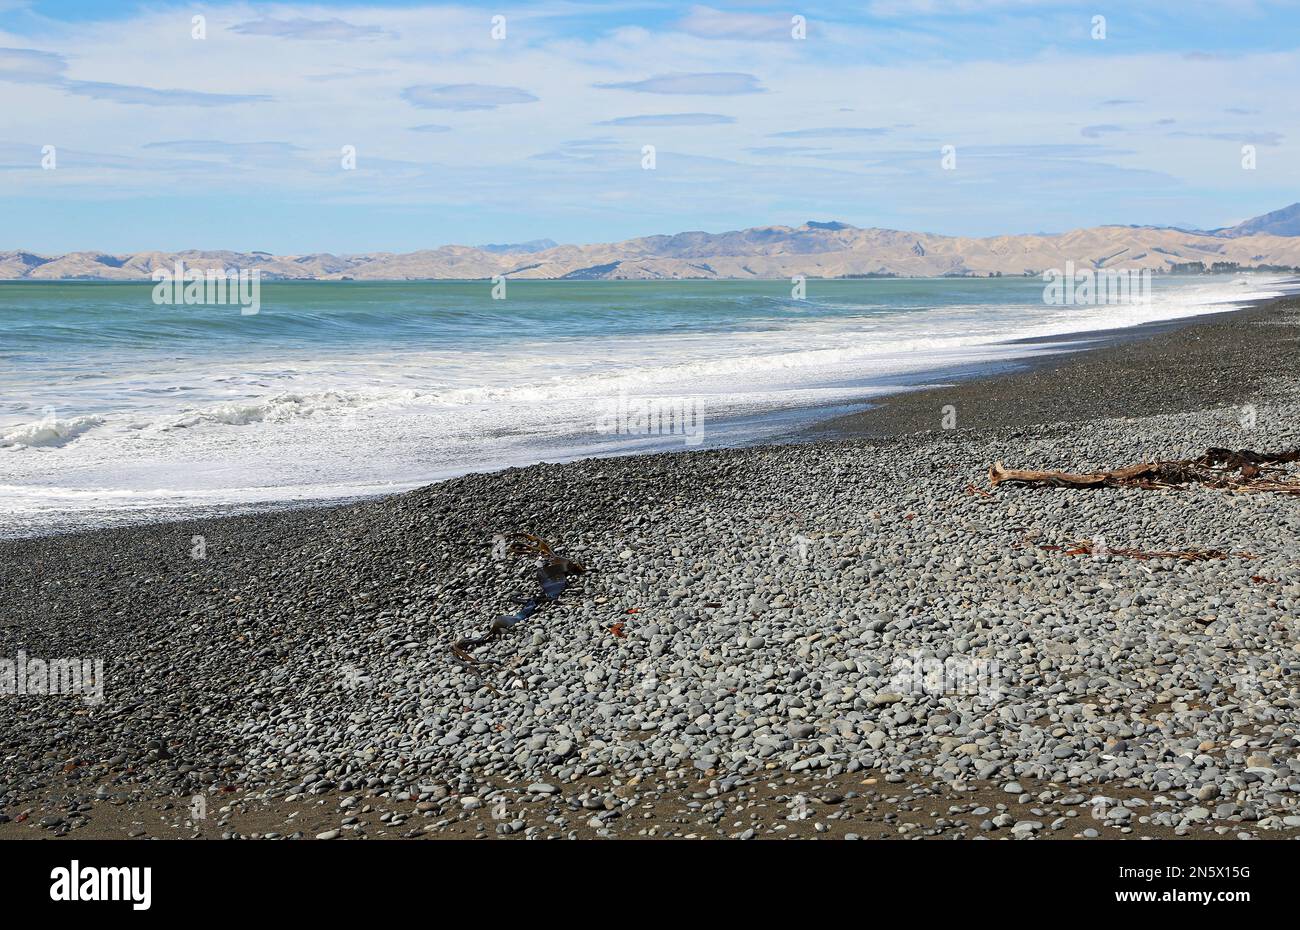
(1241, 470)
(617, 629)
(553, 573)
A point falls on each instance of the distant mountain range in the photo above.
(1284, 222)
(815, 250)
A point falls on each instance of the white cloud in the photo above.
(671, 119)
(906, 8)
(832, 132)
(1251, 138)
(1012, 120)
(318, 29)
(155, 97)
(709, 23)
(721, 83)
(232, 149)
(464, 96)
(25, 64)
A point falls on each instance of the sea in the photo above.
(116, 408)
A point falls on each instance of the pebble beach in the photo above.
(847, 635)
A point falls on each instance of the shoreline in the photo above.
(735, 645)
(1129, 351)
(912, 404)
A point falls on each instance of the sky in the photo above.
(361, 127)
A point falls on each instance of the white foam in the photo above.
(50, 432)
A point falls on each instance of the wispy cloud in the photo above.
(1039, 151)
(1249, 138)
(786, 149)
(25, 64)
(709, 23)
(464, 96)
(431, 127)
(832, 132)
(1096, 132)
(585, 150)
(230, 149)
(946, 8)
(337, 30)
(155, 97)
(30, 66)
(352, 74)
(719, 83)
(72, 160)
(671, 119)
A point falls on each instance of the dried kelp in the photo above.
(553, 573)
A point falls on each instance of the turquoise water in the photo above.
(112, 404)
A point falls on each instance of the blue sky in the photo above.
(238, 139)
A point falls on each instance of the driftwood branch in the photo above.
(1240, 470)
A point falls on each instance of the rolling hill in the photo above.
(815, 249)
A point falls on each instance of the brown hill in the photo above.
(812, 250)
